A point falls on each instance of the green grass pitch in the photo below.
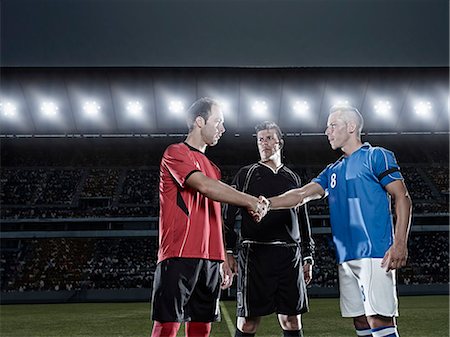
(420, 316)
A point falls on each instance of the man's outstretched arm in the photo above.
(219, 191)
(297, 197)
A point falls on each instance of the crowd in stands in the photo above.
(43, 186)
(75, 264)
(101, 183)
(118, 263)
(439, 178)
(417, 187)
(60, 179)
(134, 191)
(128, 192)
(93, 212)
(428, 261)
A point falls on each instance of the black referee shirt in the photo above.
(281, 225)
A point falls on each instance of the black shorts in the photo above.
(270, 279)
(186, 290)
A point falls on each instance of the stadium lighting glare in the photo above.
(423, 109)
(176, 106)
(341, 101)
(224, 104)
(383, 108)
(259, 107)
(8, 109)
(49, 109)
(91, 108)
(134, 108)
(301, 108)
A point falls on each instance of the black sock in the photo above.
(239, 333)
(292, 333)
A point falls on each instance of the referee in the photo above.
(274, 257)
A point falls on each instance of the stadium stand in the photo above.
(74, 264)
(87, 220)
(121, 263)
(55, 193)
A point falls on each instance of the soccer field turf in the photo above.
(420, 316)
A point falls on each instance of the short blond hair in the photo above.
(349, 113)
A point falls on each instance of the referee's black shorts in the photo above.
(270, 279)
(186, 289)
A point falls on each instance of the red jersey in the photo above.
(190, 224)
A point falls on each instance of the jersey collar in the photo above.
(192, 148)
(365, 145)
(270, 168)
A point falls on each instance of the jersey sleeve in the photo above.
(307, 244)
(179, 163)
(384, 166)
(322, 178)
(230, 214)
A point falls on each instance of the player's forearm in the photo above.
(218, 191)
(288, 199)
(403, 211)
(297, 196)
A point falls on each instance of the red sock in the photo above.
(198, 329)
(166, 329)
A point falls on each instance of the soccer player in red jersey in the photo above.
(191, 269)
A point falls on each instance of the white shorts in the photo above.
(367, 289)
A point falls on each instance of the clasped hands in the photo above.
(261, 209)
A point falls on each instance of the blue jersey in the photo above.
(360, 210)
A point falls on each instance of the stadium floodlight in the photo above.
(423, 109)
(8, 109)
(259, 107)
(383, 108)
(49, 109)
(91, 108)
(301, 108)
(134, 108)
(176, 106)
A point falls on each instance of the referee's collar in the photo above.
(270, 168)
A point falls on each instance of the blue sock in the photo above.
(385, 331)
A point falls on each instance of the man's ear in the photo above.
(200, 121)
(281, 143)
(351, 126)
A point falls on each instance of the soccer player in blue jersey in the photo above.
(359, 186)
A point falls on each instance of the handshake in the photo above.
(260, 209)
